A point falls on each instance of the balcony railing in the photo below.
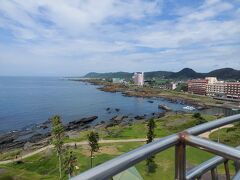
(180, 141)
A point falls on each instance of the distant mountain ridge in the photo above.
(186, 73)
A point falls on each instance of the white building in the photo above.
(214, 87)
(174, 86)
(211, 80)
(138, 79)
(117, 80)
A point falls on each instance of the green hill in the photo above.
(186, 73)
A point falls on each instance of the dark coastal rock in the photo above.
(43, 126)
(150, 101)
(164, 107)
(47, 122)
(37, 137)
(28, 145)
(81, 123)
(117, 109)
(12, 145)
(88, 119)
(139, 117)
(108, 109)
(110, 124)
(83, 120)
(86, 126)
(19, 139)
(8, 138)
(119, 118)
(159, 115)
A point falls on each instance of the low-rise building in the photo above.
(212, 87)
(117, 80)
(215, 89)
(232, 90)
(197, 86)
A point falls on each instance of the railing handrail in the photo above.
(126, 160)
(205, 166)
(202, 128)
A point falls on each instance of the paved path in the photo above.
(72, 144)
(206, 134)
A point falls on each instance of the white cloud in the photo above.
(85, 35)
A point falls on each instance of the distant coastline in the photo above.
(201, 102)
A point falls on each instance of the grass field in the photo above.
(166, 125)
(44, 165)
(229, 136)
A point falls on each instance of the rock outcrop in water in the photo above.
(81, 123)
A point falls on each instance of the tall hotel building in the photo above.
(138, 79)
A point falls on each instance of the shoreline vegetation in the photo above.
(200, 101)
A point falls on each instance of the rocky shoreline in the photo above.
(39, 135)
(113, 88)
(157, 93)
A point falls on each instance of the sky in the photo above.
(74, 37)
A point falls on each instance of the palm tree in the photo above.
(57, 139)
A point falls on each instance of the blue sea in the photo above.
(26, 101)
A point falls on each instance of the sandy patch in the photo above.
(2, 171)
(112, 150)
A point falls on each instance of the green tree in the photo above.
(150, 134)
(196, 115)
(93, 138)
(70, 161)
(200, 119)
(57, 139)
(151, 165)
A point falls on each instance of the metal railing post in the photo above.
(237, 165)
(214, 174)
(180, 158)
(226, 167)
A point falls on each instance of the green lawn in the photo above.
(10, 154)
(166, 125)
(229, 136)
(44, 165)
